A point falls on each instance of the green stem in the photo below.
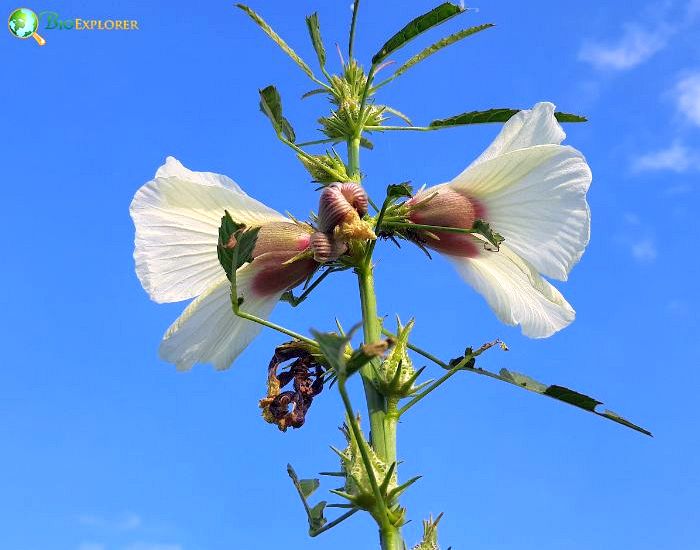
(382, 418)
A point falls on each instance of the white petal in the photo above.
(536, 198)
(526, 128)
(516, 293)
(177, 217)
(209, 332)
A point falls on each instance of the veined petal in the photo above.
(209, 332)
(536, 126)
(177, 217)
(516, 292)
(536, 198)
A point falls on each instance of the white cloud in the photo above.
(644, 250)
(129, 522)
(634, 47)
(675, 158)
(687, 93)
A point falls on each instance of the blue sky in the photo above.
(105, 447)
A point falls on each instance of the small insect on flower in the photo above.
(177, 217)
(532, 191)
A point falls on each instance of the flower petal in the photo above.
(516, 292)
(536, 126)
(209, 332)
(177, 217)
(536, 198)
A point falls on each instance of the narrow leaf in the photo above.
(419, 25)
(494, 115)
(271, 106)
(448, 41)
(560, 393)
(398, 114)
(315, 91)
(367, 144)
(277, 39)
(315, 34)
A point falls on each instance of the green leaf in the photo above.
(448, 41)
(367, 144)
(494, 115)
(315, 91)
(398, 114)
(332, 347)
(271, 106)
(308, 486)
(315, 34)
(316, 518)
(482, 228)
(419, 25)
(398, 190)
(277, 39)
(561, 393)
(236, 244)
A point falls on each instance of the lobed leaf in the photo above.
(416, 27)
(271, 106)
(494, 115)
(276, 39)
(482, 228)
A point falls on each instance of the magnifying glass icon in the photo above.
(23, 24)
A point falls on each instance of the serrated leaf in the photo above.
(236, 244)
(277, 39)
(308, 486)
(271, 106)
(315, 91)
(416, 27)
(482, 228)
(398, 190)
(560, 393)
(398, 114)
(447, 41)
(494, 115)
(315, 34)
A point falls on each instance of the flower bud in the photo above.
(340, 210)
(326, 247)
(276, 272)
(282, 237)
(445, 207)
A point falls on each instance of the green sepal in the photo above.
(271, 107)
(494, 115)
(416, 27)
(236, 244)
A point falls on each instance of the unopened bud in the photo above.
(326, 248)
(282, 237)
(341, 203)
(443, 206)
